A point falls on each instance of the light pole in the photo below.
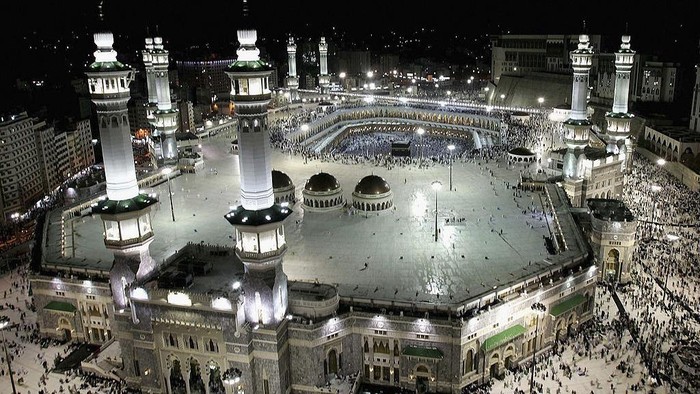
(540, 100)
(231, 377)
(670, 237)
(436, 186)
(655, 189)
(451, 148)
(503, 97)
(4, 323)
(342, 80)
(538, 308)
(420, 132)
(166, 171)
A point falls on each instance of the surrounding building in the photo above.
(658, 82)
(521, 54)
(36, 158)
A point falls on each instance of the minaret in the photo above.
(147, 55)
(260, 238)
(292, 79)
(619, 119)
(165, 117)
(324, 79)
(577, 127)
(695, 109)
(125, 213)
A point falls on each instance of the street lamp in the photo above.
(451, 148)
(539, 309)
(503, 96)
(231, 377)
(166, 171)
(661, 162)
(436, 186)
(655, 189)
(4, 323)
(342, 79)
(540, 100)
(670, 237)
(420, 132)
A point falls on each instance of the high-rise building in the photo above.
(81, 153)
(36, 158)
(658, 81)
(186, 111)
(203, 79)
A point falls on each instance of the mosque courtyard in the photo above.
(487, 237)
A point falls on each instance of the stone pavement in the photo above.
(494, 245)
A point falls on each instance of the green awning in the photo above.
(60, 306)
(424, 352)
(567, 305)
(503, 337)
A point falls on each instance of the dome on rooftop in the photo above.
(321, 182)
(280, 180)
(372, 184)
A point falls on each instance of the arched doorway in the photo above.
(571, 324)
(332, 360)
(494, 365)
(177, 382)
(65, 328)
(612, 265)
(509, 357)
(216, 385)
(422, 379)
(196, 382)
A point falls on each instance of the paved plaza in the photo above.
(392, 255)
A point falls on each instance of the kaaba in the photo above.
(401, 148)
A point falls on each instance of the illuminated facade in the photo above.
(181, 329)
(613, 239)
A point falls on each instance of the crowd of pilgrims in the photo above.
(658, 308)
(427, 150)
(661, 263)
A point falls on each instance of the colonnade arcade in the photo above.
(398, 113)
(191, 376)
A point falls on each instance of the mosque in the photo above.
(246, 316)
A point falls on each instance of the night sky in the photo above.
(52, 39)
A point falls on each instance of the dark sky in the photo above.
(662, 28)
(199, 20)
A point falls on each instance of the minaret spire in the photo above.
(165, 116)
(259, 222)
(125, 213)
(323, 78)
(619, 120)
(292, 81)
(577, 127)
